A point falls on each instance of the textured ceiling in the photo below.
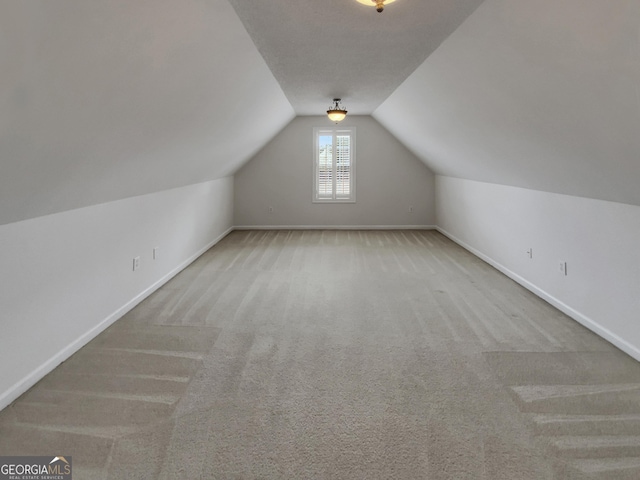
(321, 49)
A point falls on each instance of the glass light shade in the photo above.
(337, 115)
(372, 3)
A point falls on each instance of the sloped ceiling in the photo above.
(542, 95)
(109, 99)
(103, 100)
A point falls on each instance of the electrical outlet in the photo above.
(156, 252)
(136, 263)
(530, 253)
(270, 209)
(563, 267)
(411, 209)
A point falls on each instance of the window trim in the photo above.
(317, 131)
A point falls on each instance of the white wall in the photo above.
(598, 239)
(389, 179)
(67, 276)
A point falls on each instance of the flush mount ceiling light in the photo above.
(336, 111)
(379, 4)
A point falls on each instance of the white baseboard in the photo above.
(38, 373)
(334, 227)
(587, 322)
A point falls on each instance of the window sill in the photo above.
(334, 201)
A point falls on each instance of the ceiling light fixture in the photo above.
(379, 4)
(336, 111)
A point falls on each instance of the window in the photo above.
(334, 165)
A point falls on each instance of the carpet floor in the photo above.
(338, 355)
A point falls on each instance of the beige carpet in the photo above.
(338, 355)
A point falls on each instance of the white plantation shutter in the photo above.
(343, 166)
(325, 166)
(334, 169)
